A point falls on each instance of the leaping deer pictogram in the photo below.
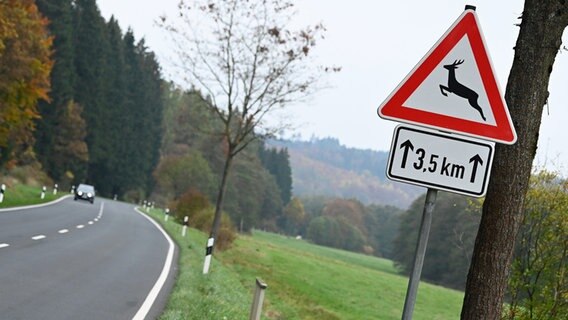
(459, 89)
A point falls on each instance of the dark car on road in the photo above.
(85, 192)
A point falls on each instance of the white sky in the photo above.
(377, 43)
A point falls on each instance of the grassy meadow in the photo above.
(23, 195)
(304, 281)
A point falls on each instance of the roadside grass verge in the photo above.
(218, 295)
(305, 281)
(23, 195)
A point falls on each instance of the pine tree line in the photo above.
(103, 122)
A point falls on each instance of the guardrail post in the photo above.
(256, 309)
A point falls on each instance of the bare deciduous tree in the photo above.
(245, 57)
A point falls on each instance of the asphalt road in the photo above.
(76, 260)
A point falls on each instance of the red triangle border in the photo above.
(393, 108)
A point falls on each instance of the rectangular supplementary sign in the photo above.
(441, 161)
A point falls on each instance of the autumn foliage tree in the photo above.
(248, 61)
(341, 225)
(70, 151)
(293, 216)
(25, 64)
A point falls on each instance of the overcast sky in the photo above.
(377, 43)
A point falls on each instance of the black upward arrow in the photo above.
(405, 145)
(476, 161)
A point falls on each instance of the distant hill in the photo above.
(325, 167)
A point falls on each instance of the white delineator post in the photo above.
(72, 189)
(55, 189)
(42, 195)
(167, 214)
(208, 253)
(184, 229)
(2, 190)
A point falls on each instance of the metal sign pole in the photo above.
(419, 255)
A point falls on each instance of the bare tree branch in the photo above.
(245, 56)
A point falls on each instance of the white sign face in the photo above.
(458, 68)
(440, 161)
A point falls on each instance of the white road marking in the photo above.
(153, 294)
(35, 205)
(101, 210)
(62, 231)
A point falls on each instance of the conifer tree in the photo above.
(90, 43)
(60, 111)
(277, 162)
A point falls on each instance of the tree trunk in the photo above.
(221, 196)
(539, 40)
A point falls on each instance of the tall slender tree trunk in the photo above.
(221, 196)
(543, 23)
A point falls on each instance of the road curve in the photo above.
(76, 260)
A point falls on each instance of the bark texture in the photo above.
(543, 22)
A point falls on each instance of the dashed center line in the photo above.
(62, 231)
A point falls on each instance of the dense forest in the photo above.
(103, 121)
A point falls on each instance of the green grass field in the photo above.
(305, 281)
(22, 195)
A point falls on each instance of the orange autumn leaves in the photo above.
(25, 66)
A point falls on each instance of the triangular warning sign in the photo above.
(453, 88)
